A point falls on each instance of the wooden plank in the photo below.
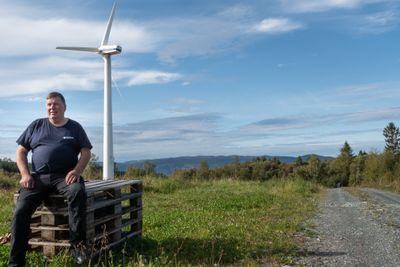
(65, 244)
(105, 219)
(52, 228)
(127, 196)
(41, 212)
(93, 186)
(127, 209)
(102, 204)
(105, 185)
(127, 222)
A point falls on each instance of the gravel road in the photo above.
(357, 229)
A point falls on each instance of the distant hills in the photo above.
(168, 165)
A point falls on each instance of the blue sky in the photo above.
(271, 77)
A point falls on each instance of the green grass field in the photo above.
(203, 223)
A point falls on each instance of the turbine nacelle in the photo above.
(109, 49)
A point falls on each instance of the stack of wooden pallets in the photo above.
(113, 214)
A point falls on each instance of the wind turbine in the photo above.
(106, 51)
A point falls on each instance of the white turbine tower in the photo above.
(106, 51)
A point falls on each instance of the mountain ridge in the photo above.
(167, 165)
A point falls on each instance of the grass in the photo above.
(226, 222)
(204, 223)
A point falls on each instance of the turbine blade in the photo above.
(108, 29)
(116, 86)
(79, 48)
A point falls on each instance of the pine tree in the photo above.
(346, 151)
(340, 167)
(392, 138)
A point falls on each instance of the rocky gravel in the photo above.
(361, 228)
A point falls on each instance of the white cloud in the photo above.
(378, 22)
(277, 25)
(183, 105)
(370, 91)
(236, 11)
(188, 101)
(386, 114)
(299, 6)
(28, 99)
(152, 77)
(41, 85)
(35, 36)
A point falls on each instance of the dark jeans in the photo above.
(30, 199)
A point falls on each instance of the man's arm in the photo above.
(23, 167)
(84, 159)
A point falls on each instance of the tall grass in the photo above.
(225, 222)
(204, 223)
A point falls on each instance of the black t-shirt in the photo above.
(54, 149)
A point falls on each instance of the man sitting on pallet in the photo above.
(56, 143)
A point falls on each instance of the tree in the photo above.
(149, 167)
(340, 167)
(313, 170)
(299, 161)
(92, 170)
(357, 169)
(392, 138)
(346, 151)
(7, 165)
(203, 171)
(133, 172)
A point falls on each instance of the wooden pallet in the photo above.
(113, 215)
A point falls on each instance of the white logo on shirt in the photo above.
(68, 137)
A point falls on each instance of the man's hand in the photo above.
(72, 177)
(27, 181)
(22, 163)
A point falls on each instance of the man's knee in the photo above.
(77, 190)
(24, 210)
(21, 214)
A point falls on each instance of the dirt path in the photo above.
(358, 229)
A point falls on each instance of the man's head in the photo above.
(55, 106)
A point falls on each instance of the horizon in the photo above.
(209, 156)
(282, 78)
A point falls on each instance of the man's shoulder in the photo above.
(39, 122)
(74, 123)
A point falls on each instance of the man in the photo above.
(55, 142)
